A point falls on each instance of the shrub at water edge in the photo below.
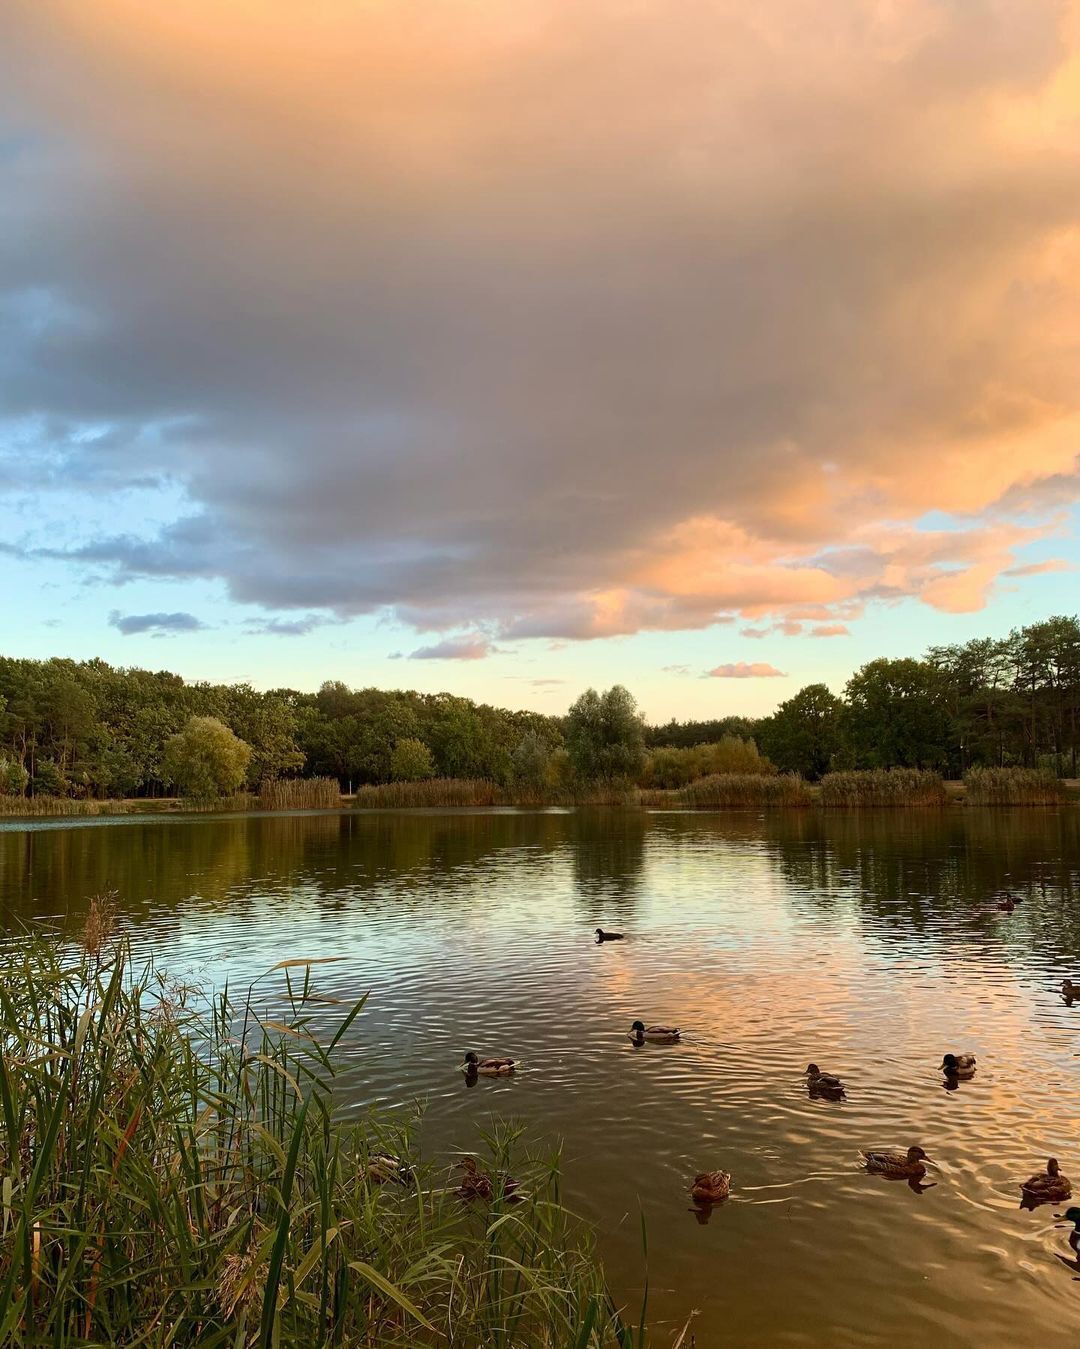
(1012, 787)
(883, 787)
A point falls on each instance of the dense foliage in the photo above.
(86, 730)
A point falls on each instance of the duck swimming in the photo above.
(602, 936)
(711, 1187)
(908, 1165)
(639, 1033)
(488, 1067)
(1048, 1186)
(1072, 1215)
(958, 1065)
(824, 1084)
(1069, 991)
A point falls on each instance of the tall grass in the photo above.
(1012, 787)
(174, 1174)
(33, 807)
(725, 791)
(300, 794)
(430, 792)
(883, 787)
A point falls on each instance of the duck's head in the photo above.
(949, 1064)
(471, 1059)
(1072, 1215)
(638, 1027)
(916, 1154)
(812, 1070)
(1068, 986)
(600, 933)
(1052, 1167)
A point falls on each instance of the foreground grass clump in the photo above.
(300, 794)
(174, 1175)
(883, 787)
(1012, 787)
(723, 791)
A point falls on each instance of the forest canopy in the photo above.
(86, 729)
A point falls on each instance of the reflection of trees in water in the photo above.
(913, 866)
(608, 852)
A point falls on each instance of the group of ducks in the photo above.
(713, 1187)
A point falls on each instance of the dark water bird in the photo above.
(1047, 1187)
(488, 1067)
(958, 1065)
(711, 1187)
(1070, 990)
(1009, 903)
(822, 1084)
(666, 1035)
(602, 936)
(477, 1184)
(1072, 1215)
(900, 1165)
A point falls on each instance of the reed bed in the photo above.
(431, 792)
(174, 1174)
(35, 807)
(1012, 787)
(883, 787)
(727, 791)
(300, 794)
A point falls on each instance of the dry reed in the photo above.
(728, 791)
(300, 794)
(883, 787)
(1012, 787)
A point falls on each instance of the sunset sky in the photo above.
(510, 346)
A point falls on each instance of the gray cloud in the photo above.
(628, 325)
(158, 624)
(456, 648)
(286, 627)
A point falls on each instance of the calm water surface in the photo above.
(867, 943)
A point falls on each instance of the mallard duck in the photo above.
(958, 1065)
(907, 1164)
(1069, 990)
(825, 1083)
(602, 936)
(474, 1183)
(1006, 905)
(1072, 1215)
(488, 1067)
(639, 1032)
(1048, 1186)
(711, 1187)
(383, 1168)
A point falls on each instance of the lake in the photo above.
(869, 943)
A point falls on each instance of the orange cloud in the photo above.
(741, 670)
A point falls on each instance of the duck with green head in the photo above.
(958, 1065)
(664, 1035)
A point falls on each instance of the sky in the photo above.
(507, 348)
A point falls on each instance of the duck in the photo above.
(602, 936)
(824, 1083)
(382, 1168)
(489, 1067)
(908, 1164)
(958, 1065)
(474, 1183)
(1009, 903)
(1070, 990)
(1072, 1215)
(711, 1187)
(1048, 1186)
(639, 1033)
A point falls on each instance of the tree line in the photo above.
(86, 729)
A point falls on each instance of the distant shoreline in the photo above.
(377, 800)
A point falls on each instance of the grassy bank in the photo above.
(177, 1176)
(725, 791)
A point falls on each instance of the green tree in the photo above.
(605, 736)
(805, 733)
(896, 716)
(532, 762)
(411, 761)
(206, 760)
(13, 777)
